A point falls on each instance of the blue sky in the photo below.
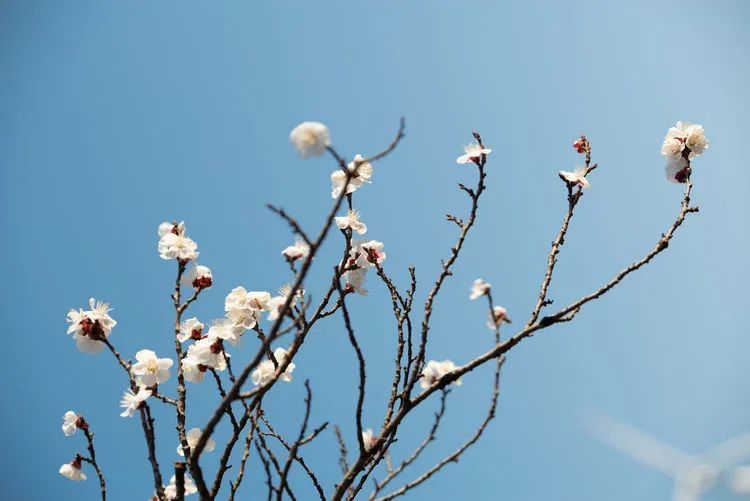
(119, 115)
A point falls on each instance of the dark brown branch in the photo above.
(291, 221)
(343, 453)
(294, 447)
(445, 272)
(92, 459)
(388, 149)
(179, 480)
(275, 463)
(574, 195)
(234, 392)
(361, 364)
(454, 457)
(147, 422)
(431, 436)
(266, 468)
(245, 454)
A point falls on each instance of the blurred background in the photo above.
(117, 116)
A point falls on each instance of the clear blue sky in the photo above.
(119, 115)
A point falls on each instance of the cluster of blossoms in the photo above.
(175, 244)
(243, 310)
(90, 327)
(682, 143)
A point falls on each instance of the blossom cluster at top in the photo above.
(682, 143)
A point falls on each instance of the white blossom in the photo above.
(355, 280)
(299, 250)
(479, 288)
(684, 135)
(70, 423)
(575, 178)
(208, 353)
(243, 307)
(472, 153)
(193, 435)
(263, 374)
(276, 303)
(193, 370)
(676, 169)
(170, 491)
(190, 329)
(197, 277)
(174, 244)
(497, 316)
(351, 220)
(310, 139)
(89, 327)
(369, 439)
(167, 227)
(226, 330)
(132, 401)
(366, 254)
(150, 370)
(360, 172)
(434, 370)
(72, 470)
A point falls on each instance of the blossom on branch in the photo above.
(131, 402)
(193, 435)
(351, 220)
(170, 491)
(71, 422)
(198, 277)
(90, 327)
(72, 470)
(190, 329)
(684, 136)
(581, 145)
(355, 280)
(226, 330)
(174, 244)
(297, 251)
(263, 374)
(360, 172)
(369, 439)
(676, 170)
(473, 153)
(243, 307)
(497, 316)
(276, 303)
(310, 139)
(366, 254)
(575, 178)
(435, 370)
(150, 370)
(479, 288)
(203, 354)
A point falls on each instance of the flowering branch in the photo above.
(71, 422)
(574, 184)
(292, 312)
